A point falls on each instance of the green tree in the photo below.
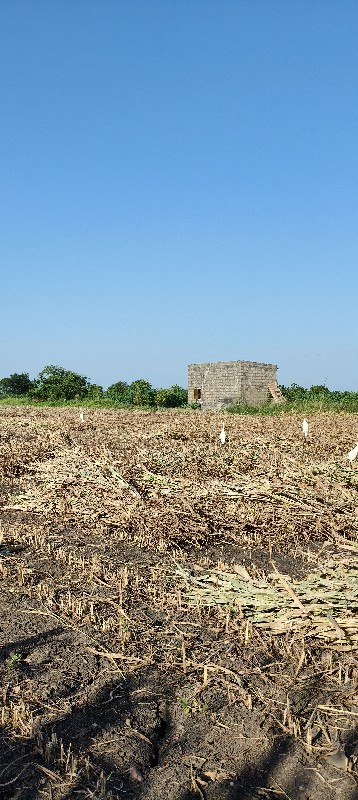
(142, 393)
(294, 392)
(174, 397)
(17, 384)
(119, 392)
(57, 383)
(94, 392)
(319, 390)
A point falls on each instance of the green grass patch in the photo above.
(305, 406)
(104, 402)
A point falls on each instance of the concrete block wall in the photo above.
(225, 382)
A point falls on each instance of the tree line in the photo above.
(56, 384)
(296, 393)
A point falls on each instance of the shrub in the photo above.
(174, 397)
(119, 393)
(293, 392)
(94, 392)
(142, 393)
(319, 391)
(138, 393)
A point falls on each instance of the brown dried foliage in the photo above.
(104, 512)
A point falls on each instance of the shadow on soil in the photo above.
(120, 744)
(24, 645)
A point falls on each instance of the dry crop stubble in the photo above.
(146, 543)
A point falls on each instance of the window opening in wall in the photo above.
(197, 393)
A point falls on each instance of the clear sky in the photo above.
(179, 183)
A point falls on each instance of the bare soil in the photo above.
(119, 677)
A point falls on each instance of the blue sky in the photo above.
(179, 183)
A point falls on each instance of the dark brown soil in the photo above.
(113, 685)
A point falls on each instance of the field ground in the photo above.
(177, 618)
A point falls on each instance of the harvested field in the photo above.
(178, 618)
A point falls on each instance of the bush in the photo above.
(94, 392)
(319, 391)
(138, 393)
(293, 392)
(119, 393)
(142, 393)
(174, 397)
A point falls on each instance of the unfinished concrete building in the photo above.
(216, 385)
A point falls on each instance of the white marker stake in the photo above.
(81, 416)
(353, 454)
(222, 436)
(305, 427)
